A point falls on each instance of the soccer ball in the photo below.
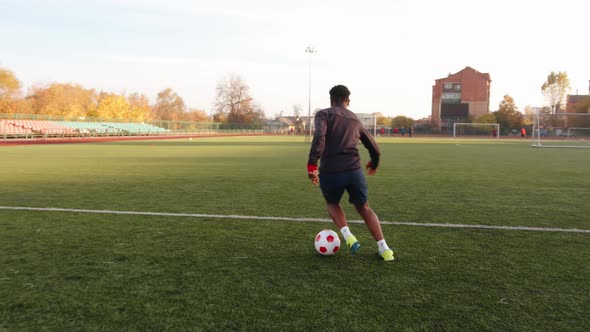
(327, 242)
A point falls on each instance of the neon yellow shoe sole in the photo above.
(353, 244)
(387, 255)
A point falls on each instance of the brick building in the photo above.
(459, 96)
(578, 103)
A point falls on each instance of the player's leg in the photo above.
(359, 196)
(371, 220)
(333, 186)
(337, 214)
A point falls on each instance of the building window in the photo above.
(457, 87)
(448, 86)
(451, 97)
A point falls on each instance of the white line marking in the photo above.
(234, 216)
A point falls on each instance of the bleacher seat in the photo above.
(44, 127)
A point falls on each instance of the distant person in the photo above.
(523, 132)
(494, 133)
(382, 131)
(335, 140)
(411, 131)
(403, 130)
(395, 130)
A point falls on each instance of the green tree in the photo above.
(10, 92)
(401, 121)
(383, 121)
(508, 115)
(555, 90)
(487, 118)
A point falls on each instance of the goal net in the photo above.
(491, 130)
(369, 121)
(561, 130)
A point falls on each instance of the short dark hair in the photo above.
(339, 93)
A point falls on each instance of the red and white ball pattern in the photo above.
(327, 242)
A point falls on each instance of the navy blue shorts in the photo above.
(334, 185)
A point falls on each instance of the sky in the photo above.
(389, 53)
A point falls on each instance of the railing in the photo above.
(27, 126)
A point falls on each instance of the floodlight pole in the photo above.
(309, 50)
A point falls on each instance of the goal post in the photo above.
(476, 129)
(369, 121)
(561, 130)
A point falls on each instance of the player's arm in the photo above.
(317, 147)
(370, 144)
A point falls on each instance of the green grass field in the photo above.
(79, 271)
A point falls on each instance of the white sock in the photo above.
(345, 232)
(382, 246)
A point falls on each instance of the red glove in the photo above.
(311, 168)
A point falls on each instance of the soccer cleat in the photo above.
(387, 255)
(353, 244)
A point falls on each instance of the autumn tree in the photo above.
(112, 106)
(139, 107)
(299, 125)
(169, 106)
(529, 115)
(508, 115)
(555, 89)
(233, 102)
(10, 90)
(297, 110)
(219, 117)
(62, 99)
(195, 115)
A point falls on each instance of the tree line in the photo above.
(233, 103)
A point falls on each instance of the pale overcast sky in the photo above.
(387, 52)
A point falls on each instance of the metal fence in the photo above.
(27, 126)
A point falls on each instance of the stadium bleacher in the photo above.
(113, 127)
(44, 128)
(39, 126)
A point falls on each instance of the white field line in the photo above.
(233, 216)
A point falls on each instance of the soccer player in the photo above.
(334, 145)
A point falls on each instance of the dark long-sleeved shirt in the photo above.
(335, 141)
